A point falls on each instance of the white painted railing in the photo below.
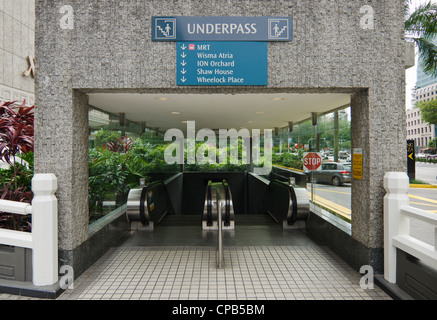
(43, 240)
(397, 215)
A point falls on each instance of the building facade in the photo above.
(425, 90)
(17, 50)
(421, 132)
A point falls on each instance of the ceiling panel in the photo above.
(218, 111)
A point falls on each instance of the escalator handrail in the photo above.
(291, 216)
(227, 199)
(293, 199)
(144, 202)
(209, 203)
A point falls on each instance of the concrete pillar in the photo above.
(369, 131)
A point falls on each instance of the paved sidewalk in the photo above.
(181, 273)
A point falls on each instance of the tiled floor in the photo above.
(250, 272)
(261, 261)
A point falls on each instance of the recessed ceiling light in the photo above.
(260, 112)
(278, 99)
(249, 121)
(184, 121)
(161, 99)
(175, 112)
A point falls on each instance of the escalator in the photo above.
(149, 205)
(285, 203)
(154, 204)
(214, 192)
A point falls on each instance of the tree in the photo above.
(432, 143)
(428, 110)
(421, 28)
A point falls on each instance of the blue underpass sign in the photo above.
(185, 28)
(221, 63)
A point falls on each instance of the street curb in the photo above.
(425, 186)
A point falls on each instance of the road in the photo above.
(338, 199)
(426, 172)
(425, 199)
(422, 198)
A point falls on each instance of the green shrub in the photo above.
(288, 160)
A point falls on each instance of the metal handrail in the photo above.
(291, 215)
(222, 201)
(220, 235)
(228, 203)
(138, 204)
(209, 203)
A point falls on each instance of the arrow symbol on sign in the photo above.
(183, 79)
(183, 63)
(183, 47)
(183, 71)
(183, 55)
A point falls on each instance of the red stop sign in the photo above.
(312, 161)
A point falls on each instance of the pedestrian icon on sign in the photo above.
(165, 28)
(278, 29)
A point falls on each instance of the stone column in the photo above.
(61, 130)
(383, 151)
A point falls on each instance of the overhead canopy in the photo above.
(218, 111)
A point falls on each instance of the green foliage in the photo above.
(217, 166)
(104, 136)
(413, 181)
(432, 143)
(288, 160)
(144, 158)
(421, 27)
(107, 176)
(428, 110)
(20, 174)
(114, 171)
(428, 160)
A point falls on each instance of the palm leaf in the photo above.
(422, 22)
(421, 27)
(428, 54)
